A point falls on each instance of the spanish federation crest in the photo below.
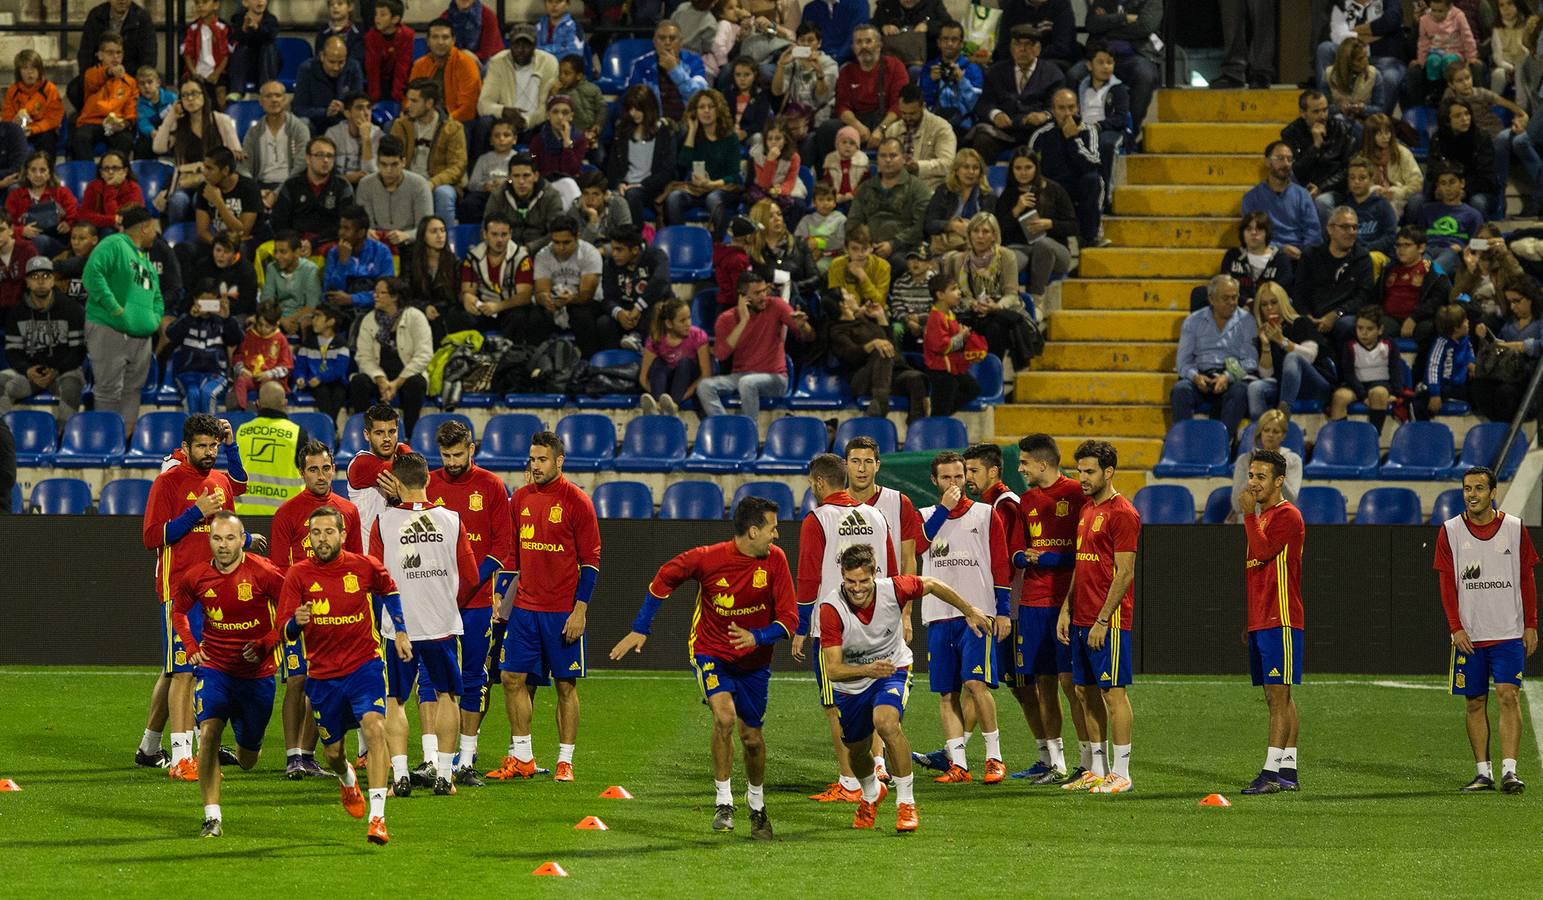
(1062, 508)
(351, 583)
(474, 502)
(759, 579)
(555, 515)
(1098, 522)
(244, 591)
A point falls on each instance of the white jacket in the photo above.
(498, 88)
(414, 343)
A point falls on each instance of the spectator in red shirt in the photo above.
(752, 336)
(14, 253)
(867, 94)
(1411, 289)
(388, 53)
(946, 350)
(113, 186)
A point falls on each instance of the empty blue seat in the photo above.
(1448, 503)
(1344, 449)
(340, 487)
(775, 491)
(17, 500)
(790, 443)
(807, 505)
(690, 250)
(996, 177)
(245, 114)
(724, 444)
(292, 52)
(506, 441)
(880, 429)
(61, 497)
(1165, 504)
(463, 237)
(819, 389)
(1321, 505)
(1389, 506)
(704, 309)
(351, 441)
(624, 500)
(589, 441)
(692, 500)
(155, 435)
(34, 431)
(153, 175)
(125, 497)
(425, 435)
(76, 174)
(1295, 439)
(181, 233)
(1482, 445)
(608, 359)
(318, 427)
(616, 63)
(1195, 448)
(1217, 506)
(385, 113)
(91, 440)
(1420, 450)
(935, 433)
(652, 444)
(988, 373)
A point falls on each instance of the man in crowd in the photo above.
(123, 312)
(322, 84)
(312, 202)
(1218, 353)
(1294, 222)
(45, 346)
(395, 199)
(675, 75)
(1015, 98)
(1334, 280)
(1322, 146)
(751, 335)
(497, 280)
(893, 205)
(435, 145)
(951, 83)
(456, 73)
(1069, 155)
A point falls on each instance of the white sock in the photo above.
(1508, 767)
(292, 753)
(362, 746)
(903, 788)
(1288, 758)
(468, 750)
(519, 748)
(378, 803)
(399, 766)
(724, 795)
(878, 763)
(967, 736)
(181, 746)
(349, 778)
(1057, 750)
(1099, 765)
(1121, 759)
(1085, 748)
(212, 811)
(993, 744)
(1486, 769)
(1272, 759)
(430, 747)
(151, 742)
(444, 764)
(565, 753)
(848, 782)
(871, 788)
(1044, 750)
(955, 747)
(755, 797)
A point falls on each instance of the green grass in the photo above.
(1378, 815)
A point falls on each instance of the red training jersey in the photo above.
(289, 537)
(811, 548)
(908, 588)
(342, 634)
(1275, 539)
(239, 608)
(1105, 529)
(732, 587)
(1050, 518)
(479, 496)
(558, 536)
(1448, 574)
(174, 491)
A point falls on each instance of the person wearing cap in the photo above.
(456, 71)
(742, 252)
(517, 83)
(434, 143)
(1015, 99)
(748, 342)
(44, 345)
(15, 251)
(123, 312)
(1054, 20)
(673, 74)
(475, 26)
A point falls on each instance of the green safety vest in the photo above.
(268, 448)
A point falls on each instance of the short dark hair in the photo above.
(379, 412)
(989, 454)
(1272, 458)
(564, 222)
(1094, 48)
(593, 179)
(1412, 233)
(1307, 97)
(944, 458)
(395, 7)
(1369, 313)
(391, 146)
(950, 23)
(452, 433)
(354, 214)
(221, 156)
(858, 556)
(411, 470)
(751, 512)
(395, 286)
(1041, 446)
(1449, 318)
(440, 22)
(1102, 451)
(829, 468)
(323, 139)
(1446, 167)
(313, 447)
(628, 235)
(288, 237)
(1269, 149)
(207, 287)
(202, 425)
(1258, 217)
(226, 239)
(1485, 471)
(574, 61)
(807, 27)
(427, 88)
(522, 159)
(910, 94)
(939, 283)
(352, 97)
(322, 512)
(496, 218)
(861, 442)
(548, 439)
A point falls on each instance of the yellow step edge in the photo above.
(1115, 325)
(1094, 387)
(1082, 356)
(1146, 294)
(1213, 201)
(1212, 232)
(1124, 421)
(1232, 138)
(1185, 168)
(1145, 262)
(1227, 106)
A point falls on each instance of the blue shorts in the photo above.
(174, 656)
(533, 644)
(439, 663)
(856, 710)
(340, 704)
(291, 660)
(955, 654)
(747, 687)
(246, 703)
(1471, 672)
(1275, 655)
(1108, 667)
(477, 625)
(1038, 651)
(817, 666)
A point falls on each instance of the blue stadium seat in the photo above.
(607, 359)
(724, 444)
(155, 435)
(385, 113)
(153, 175)
(318, 427)
(1165, 504)
(880, 429)
(125, 497)
(1420, 451)
(244, 113)
(1295, 439)
(1389, 506)
(690, 250)
(1344, 449)
(1217, 506)
(351, 441)
(1321, 505)
(590, 441)
(616, 62)
(704, 309)
(35, 433)
(624, 500)
(420, 47)
(76, 174)
(18, 502)
(506, 441)
(692, 500)
(536, 401)
(463, 237)
(181, 233)
(807, 505)
(652, 444)
(292, 52)
(61, 496)
(1195, 448)
(237, 417)
(340, 487)
(935, 433)
(790, 443)
(425, 432)
(996, 177)
(1448, 503)
(91, 440)
(1482, 445)
(775, 491)
(988, 373)
(819, 389)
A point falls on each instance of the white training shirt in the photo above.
(960, 557)
(419, 545)
(882, 637)
(1489, 579)
(846, 526)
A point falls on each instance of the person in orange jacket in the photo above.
(462, 76)
(112, 103)
(33, 102)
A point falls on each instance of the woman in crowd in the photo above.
(433, 277)
(1355, 86)
(987, 274)
(190, 130)
(1256, 260)
(392, 353)
(1499, 383)
(1458, 141)
(956, 202)
(783, 251)
(707, 163)
(641, 161)
(1295, 359)
(42, 209)
(1269, 434)
(113, 186)
(1037, 220)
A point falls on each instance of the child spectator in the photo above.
(557, 33)
(33, 102)
(263, 356)
(206, 47)
(111, 103)
(293, 282)
(15, 250)
(1444, 38)
(490, 174)
(860, 270)
(744, 251)
(949, 349)
(202, 338)
(675, 358)
(70, 266)
(41, 208)
(559, 147)
(233, 276)
(1376, 223)
(324, 360)
(733, 20)
(598, 210)
(749, 101)
(254, 49)
(388, 53)
(775, 163)
(824, 230)
(846, 166)
(154, 101)
(1411, 290)
(1447, 364)
(1370, 370)
(910, 299)
(340, 23)
(589, 109)
(1511, 144)
(1447, 221)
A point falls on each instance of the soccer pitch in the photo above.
(1379, 813)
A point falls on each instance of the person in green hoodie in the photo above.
(123, 311)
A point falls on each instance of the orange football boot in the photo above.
(956, 775)
(905, 817)
(377, 833)
(187, 770)
(866, 811)
(835, 793)
(353, 800)
(995, 772)
(513, 768)
(564, 772)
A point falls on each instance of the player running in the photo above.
(836, 522)
(183, 497)
(234, 663)
(868, 667)
(1275, 639)
(289, 542)
(1095, 618)
(745, 604)
(478, 496)
(329, 602)
(556, 562)
(1492, 611)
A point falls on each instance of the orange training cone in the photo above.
(591, 823)
(8, 785)
(550, 868)
(1215, 800)
(616, 792)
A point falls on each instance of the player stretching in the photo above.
(868, 666)
(1492, 610)
(289, 542)
(745, 604)
(1096, 616)
(326, 601)
(967, 551)
(836, 522)
(1274, 572)
(556, 561)
(181, 501)
(479, 497)
(234, 678)
(425, 549)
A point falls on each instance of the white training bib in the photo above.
(1489, 579)
(960, 557)
(883, 637)
(419, 545)
(846, 526)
